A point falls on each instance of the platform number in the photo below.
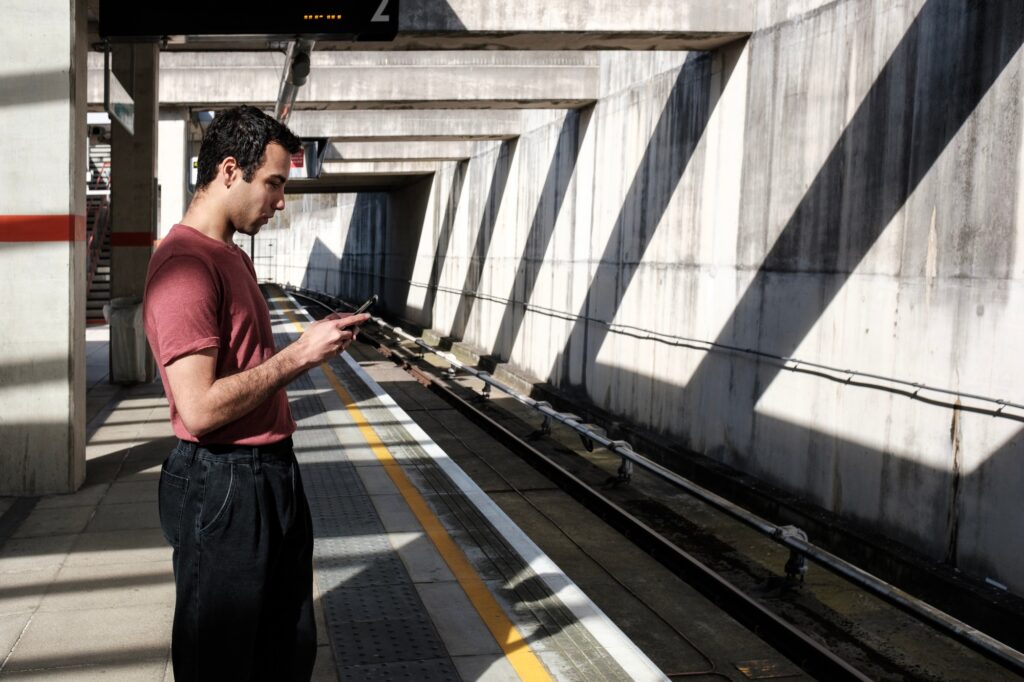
(379, 15)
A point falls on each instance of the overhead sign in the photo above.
(320, 19)
(116, 100)
(298, 166)
(307, 162)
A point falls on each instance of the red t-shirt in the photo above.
(202, 293)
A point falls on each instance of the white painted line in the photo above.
(632, 660)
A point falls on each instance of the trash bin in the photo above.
(128, 346)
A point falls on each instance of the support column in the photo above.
(134, 209)
(42, 247)
(173, 169)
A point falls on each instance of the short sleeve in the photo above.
(181, 309)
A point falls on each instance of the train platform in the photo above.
(419, 575)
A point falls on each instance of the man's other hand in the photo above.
(330, 336)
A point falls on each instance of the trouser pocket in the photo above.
(170, 502)
(218, 489)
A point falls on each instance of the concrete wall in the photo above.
(880, 230)
(325, 242)
(843, 188)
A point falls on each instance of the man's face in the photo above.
(256, 202)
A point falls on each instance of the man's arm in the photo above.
(206, 403)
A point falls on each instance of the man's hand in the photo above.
(206, 403)
(330, 336)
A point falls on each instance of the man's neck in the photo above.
(211, 223)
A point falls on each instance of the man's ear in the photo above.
(229, 168)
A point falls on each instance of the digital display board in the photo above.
(321, 19)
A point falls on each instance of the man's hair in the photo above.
(244, 133)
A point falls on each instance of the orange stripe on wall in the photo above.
(131, 239)
(42, 228)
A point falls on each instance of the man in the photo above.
(231, 500)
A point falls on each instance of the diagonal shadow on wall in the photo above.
(938, 74)
(407, 209)
(940, 515)
(356, 272)
(443, 240)
(942, 67)
(542, 227)
(669, 149)
(488, 219)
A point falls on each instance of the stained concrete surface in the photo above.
(86, 586)
(842, 188)
(650, 604)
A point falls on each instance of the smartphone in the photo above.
(366, 304)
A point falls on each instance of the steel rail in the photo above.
(967, 635)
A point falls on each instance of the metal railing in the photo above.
(789, 536)
(915, 390)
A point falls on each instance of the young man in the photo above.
(231, 500)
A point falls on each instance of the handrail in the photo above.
(94, 246)
(101, 171)
(905, 387)
(789, 536)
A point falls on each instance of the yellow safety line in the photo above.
(516, 649)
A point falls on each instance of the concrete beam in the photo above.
(354, 183)
(437, 124)
(376, 80)
(597, 24)
(364, 176)
(400, 151)
(377, 168)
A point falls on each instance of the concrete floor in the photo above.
(86, 588)
(86, 583)
(681, 631)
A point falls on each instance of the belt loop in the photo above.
(191, 448)
(256, 459)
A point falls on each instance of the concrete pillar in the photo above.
(42, 247)
(134, 209)
(172, 167)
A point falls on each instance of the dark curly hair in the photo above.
(244, 133)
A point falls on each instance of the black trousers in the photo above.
(239, 523)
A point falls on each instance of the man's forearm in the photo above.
(232, 397)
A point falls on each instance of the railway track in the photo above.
(753, 579)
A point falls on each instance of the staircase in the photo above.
(98, 233)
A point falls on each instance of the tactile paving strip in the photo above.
(345, 514)
(383, 641)
(377, 625)
(545, 621)
(334, 477)
(440, 669)
(374, 602)
(359, 561)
